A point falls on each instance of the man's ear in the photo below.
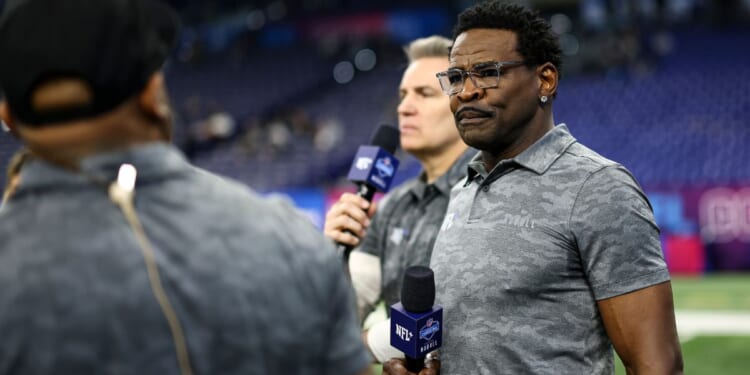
(153, 99)
(7, 120)
(548, 79)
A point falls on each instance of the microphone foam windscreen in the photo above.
(418, 289)
(387, 138)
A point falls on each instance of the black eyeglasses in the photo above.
(483, 76)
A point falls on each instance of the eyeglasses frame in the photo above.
(499, 65)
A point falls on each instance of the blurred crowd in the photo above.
(206, 125)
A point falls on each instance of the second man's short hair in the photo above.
(432, 46)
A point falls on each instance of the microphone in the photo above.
(416, 323)
(373, 169)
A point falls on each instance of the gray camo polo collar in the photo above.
(538, 157)
(444, 183)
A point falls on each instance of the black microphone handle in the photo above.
(365, 191)
(414, 364)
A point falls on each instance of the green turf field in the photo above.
(720, 355)
(719, 292)
(709, 354)
(706, 354)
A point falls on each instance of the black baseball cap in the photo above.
(114, 46)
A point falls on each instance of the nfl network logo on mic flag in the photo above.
(373, 166)
(416, 334)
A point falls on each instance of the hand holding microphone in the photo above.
(398, 367)
(416, 324)
(372, 170)
(348, 219)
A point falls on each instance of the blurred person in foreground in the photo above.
(402, 231)
(13, 174)
(549, 254)
(216, 280)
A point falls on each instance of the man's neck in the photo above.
(67, 145)
(531, 135)
(435, 166)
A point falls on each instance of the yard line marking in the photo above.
(691, 323)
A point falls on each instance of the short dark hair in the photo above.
(537, 44)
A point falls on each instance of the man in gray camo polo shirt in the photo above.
(548, 255)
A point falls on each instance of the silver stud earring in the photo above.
(543, 99)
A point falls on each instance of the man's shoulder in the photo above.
(584, 157)
(597, 167)
(236, 197)
(240, 215)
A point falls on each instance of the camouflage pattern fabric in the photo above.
(526, 250)
(256, 287)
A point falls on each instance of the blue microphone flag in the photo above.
(416, 334)
(373, 166)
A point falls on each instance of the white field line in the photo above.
(691, 323)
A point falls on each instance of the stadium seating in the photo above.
(685, 122)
